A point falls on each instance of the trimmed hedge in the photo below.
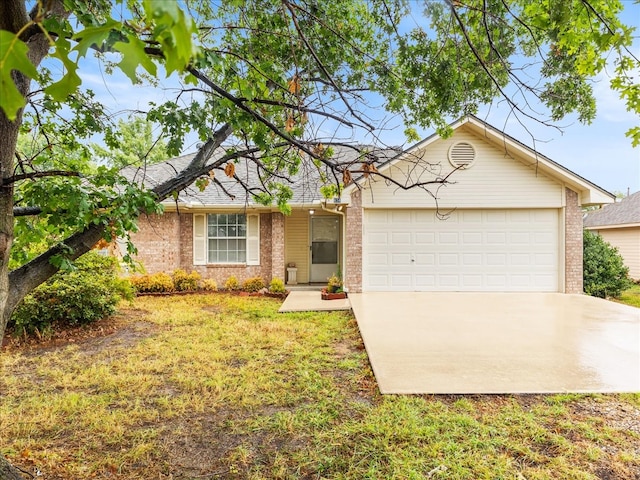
(253, 285)
(155, 283)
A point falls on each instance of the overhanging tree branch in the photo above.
(32, 175)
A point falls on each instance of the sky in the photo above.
(599, 152)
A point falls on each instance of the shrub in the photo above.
(183, 281)
(232, 284)
(155, 283)
(254, 284)
(334, 284)
(209, 285)
(89, 292)
(277, 286)
(605, 274)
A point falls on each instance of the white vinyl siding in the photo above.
(627, 241)
(473, 250)
(296, 241)
(495, 180)
(226, 239)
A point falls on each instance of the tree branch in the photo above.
(26, 211)
(50, 173)
(24, 279)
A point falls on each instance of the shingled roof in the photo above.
(621, 213)
(305, 184)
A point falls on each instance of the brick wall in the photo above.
(165, 243)
(158, 242)
(266, 247)
(573, 243)
(353, 275)
(277, 246)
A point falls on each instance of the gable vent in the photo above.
(462, 155)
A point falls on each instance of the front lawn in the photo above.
(631, 296)
(218, 386)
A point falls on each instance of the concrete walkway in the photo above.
(310, 301)
(499, 342)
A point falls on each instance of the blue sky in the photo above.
(600, 152)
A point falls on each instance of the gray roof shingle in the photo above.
(305, 184)
(623, 212)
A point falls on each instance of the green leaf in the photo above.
(70, 81)
(13, 57)
(95, 36)
(133, 55)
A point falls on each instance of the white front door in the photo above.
(325, 233)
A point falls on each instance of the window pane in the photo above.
(227, 238)
(242, 251)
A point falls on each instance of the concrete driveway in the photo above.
(499, 342)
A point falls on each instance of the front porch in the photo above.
(310, 301)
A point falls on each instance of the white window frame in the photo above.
(201, 239)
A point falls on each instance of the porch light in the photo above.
(312, 211)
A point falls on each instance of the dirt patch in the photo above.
(615, 414)
(215, 309)
(128, 325)
(124, 337)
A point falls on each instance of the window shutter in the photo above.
(253, 239)
(199, 239)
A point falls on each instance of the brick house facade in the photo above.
(512, 222)
(165, 243)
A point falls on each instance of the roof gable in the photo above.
(516, 151)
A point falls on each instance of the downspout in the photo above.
(343, 268)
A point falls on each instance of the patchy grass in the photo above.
(631, 296)
(219, 386)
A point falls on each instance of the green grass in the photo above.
(218, 386)
(631, 296)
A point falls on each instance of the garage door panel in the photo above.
(400, 259)
(401, 281)
(379, 238)
(425, 238)
(471, 259)
(401, 238)
(472, 238)
(448, 259)
(400, 216)
(425, 259)
(473, 250)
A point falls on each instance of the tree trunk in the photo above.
(9, 472)
(13, 16)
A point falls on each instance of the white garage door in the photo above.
(472, 250)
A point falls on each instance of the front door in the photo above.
(325, 232)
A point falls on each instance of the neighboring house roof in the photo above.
(624, 212)
(590, 193)
(305, 184)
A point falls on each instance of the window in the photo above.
(227, 238)
(224, 238)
